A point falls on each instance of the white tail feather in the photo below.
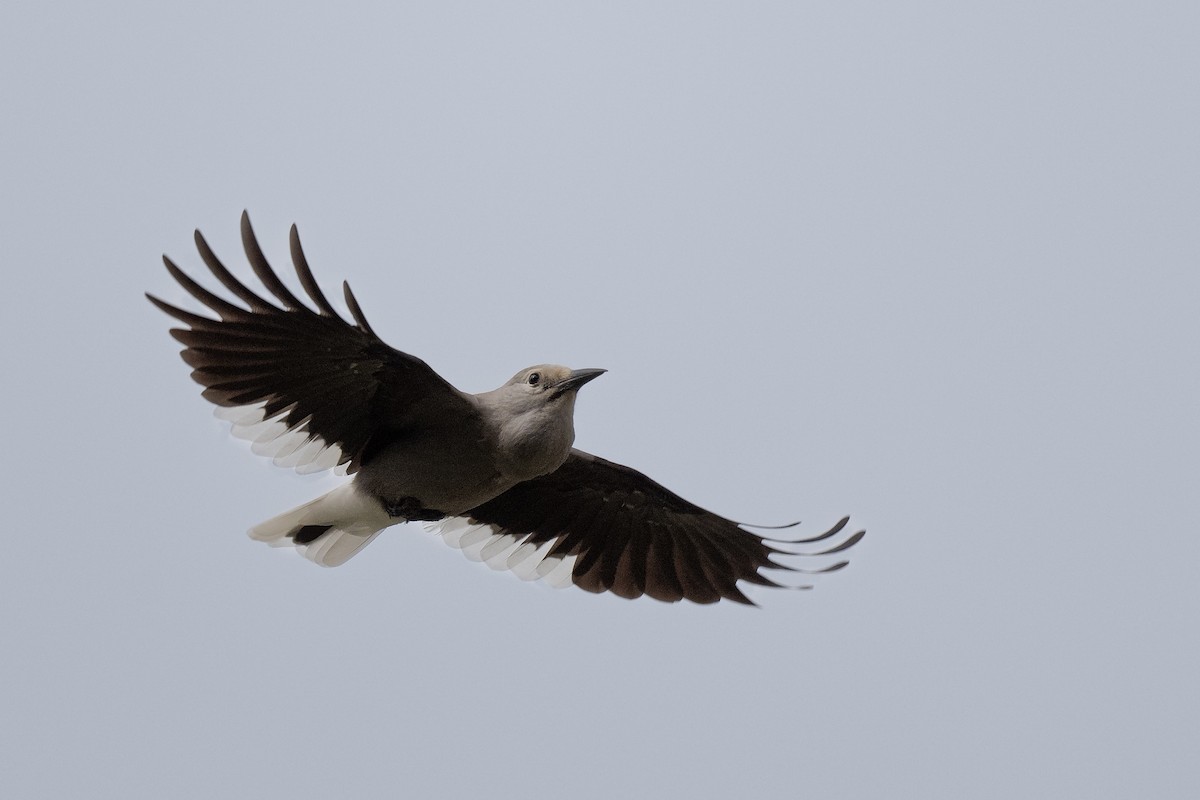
(355, 520)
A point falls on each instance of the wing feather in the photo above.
(336, 384)
(629, 535)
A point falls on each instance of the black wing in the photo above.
(314, 389)
(626, 534)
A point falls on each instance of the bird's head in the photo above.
(533, 415)
(546, 383)
(544, 392)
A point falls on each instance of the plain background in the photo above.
(934, 265)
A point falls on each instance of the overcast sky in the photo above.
(933, 265)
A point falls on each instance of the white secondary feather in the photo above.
(525, 560)
(559, 574)
(355, 520)
(287, 446)
(505, 551)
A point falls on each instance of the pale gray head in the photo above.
(542, 390)
(546, 383)
(532, 415)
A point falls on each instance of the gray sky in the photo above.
(933, 265)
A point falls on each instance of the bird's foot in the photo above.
(409, 508)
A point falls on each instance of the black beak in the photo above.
(577, 378)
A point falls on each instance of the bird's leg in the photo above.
(409, 508)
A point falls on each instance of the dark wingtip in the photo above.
(819, 537)
(304, 273)
(262, 268)
(178, 313)
(356, 310)
(178, 274)
(206, 252)
(770, 527)
(247, 230)
(846, 545)
(775, 564)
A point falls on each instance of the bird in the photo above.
(495, 474)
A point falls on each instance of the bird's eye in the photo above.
(534, 377)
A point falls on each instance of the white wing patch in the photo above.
(501, 551)
(292, 447)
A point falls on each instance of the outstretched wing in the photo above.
(311, 390)
(605, 527)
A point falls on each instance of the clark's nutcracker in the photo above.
(495, 472)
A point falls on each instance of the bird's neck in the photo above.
(535, 442)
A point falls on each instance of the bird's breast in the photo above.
(533, 444)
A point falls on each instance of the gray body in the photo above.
(517, 432)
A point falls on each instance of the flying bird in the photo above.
(494, 473)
